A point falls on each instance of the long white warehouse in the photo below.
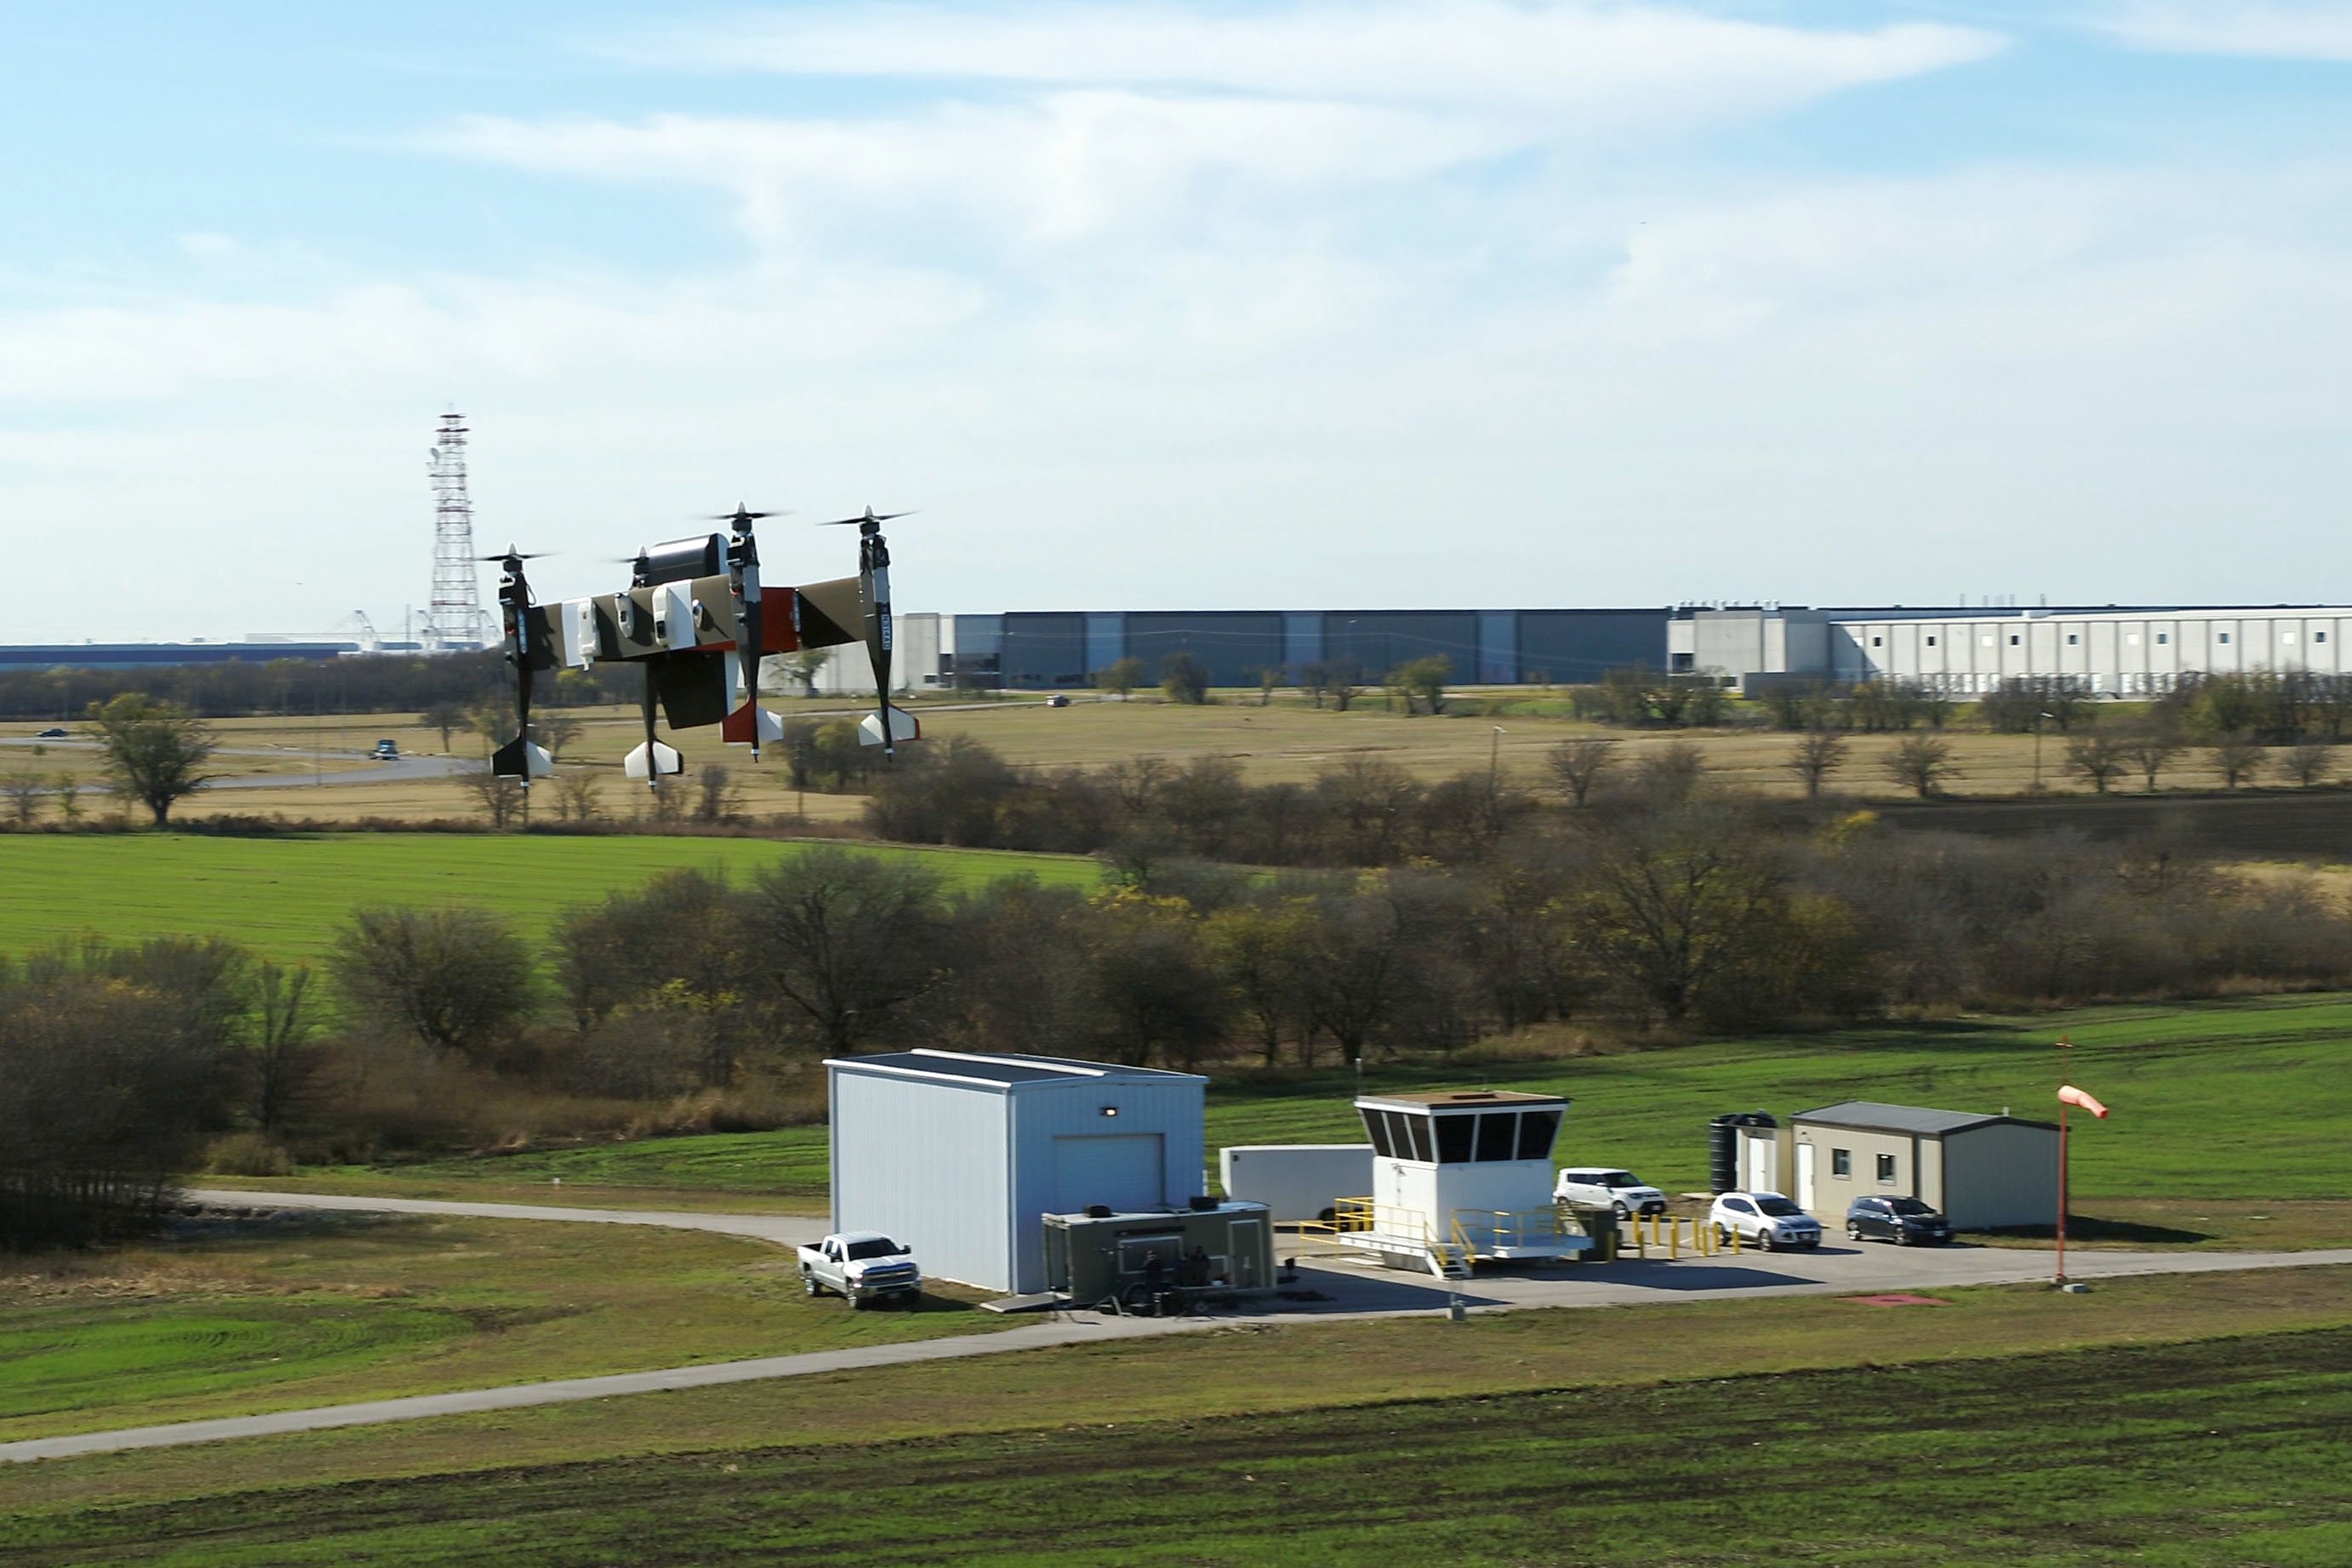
(2116, 653)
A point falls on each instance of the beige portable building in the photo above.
(1984, 1172)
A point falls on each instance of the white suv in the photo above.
(1607, 1186)
(1764, 1220)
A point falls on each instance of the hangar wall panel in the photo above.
(1234, 644)
(1170, 1108)
(927, 1162)
(2004, 1174)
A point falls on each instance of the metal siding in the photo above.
(1377, 641)
(2004, 1174)
(924, 1162)
(1172, 1107)
(1106, 641)
(1577, 646)
(1235, 644)
(1044, 649)
(1302, 638)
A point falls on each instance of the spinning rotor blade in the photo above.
(870, 519)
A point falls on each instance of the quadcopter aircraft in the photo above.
(695, 616)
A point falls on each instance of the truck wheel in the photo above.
(856, 1303)
(810, 1287)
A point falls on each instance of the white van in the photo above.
(1608, 1187)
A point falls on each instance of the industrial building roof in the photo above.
(1875, 1115)
(1008, 1069)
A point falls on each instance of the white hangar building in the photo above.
(2103, 653)
(962, 1155)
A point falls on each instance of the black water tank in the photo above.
(1723, 1146)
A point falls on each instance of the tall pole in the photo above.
(2062, 1081)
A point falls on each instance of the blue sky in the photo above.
(1415, 301)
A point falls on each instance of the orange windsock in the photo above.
(2073, 1096)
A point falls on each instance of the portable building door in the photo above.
(1805, 1176)
(1123, 1172)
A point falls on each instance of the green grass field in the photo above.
(342, 1308)
(284, 896)
(2179, 1421)
(2261, 1079)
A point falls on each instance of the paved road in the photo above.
(787, 1230)
(405, 771)
(1347, 1290)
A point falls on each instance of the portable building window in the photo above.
(1841, 1162)
(2012, 638)
(1887, 1170)
(1931, 639)
(2225, 636)
(2071, 639)
(2163, 637)
(1878, 642)
(2319, 636)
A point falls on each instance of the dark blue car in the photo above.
(1906, 1221)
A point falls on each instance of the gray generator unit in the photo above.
(1225, 1249)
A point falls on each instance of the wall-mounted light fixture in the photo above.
(1110, 1110)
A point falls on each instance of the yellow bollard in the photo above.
(1673, 1237)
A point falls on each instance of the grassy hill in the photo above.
(284, 896)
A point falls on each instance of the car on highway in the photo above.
(1906, 1221)
(386, 751)
(1608, 1187)
(1764, 1220)
(1059, 699)
(52, 733)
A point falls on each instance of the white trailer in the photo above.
(1296, 1181)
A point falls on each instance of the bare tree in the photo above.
(1669, 774)
(552, 732)
(718, 797)
(1817, 754)
(2309, 763)
(153, 751)
(498, 797)
(449, 717)
(458, 979)
(67, 793)
(1184, 678)
(2236, 756)
(2151, 751)
(804, 667)
(2100, 759)
(282, 1061)
(1921, 763)
(576, 796)
(844, 941)
(1577, 766)
(1120, 676)
(24, 792)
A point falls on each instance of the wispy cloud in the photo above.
(2271, 29)
(1604, 64)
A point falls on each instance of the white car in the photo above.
(1764, 1220)
(1608, 1187)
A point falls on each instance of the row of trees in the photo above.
(118, 1066)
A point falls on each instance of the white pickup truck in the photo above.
(860, 1266)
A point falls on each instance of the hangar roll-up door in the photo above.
(1122, 1172)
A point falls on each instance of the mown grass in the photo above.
(2259, 1079)
(286, 896)
(1998, 1428)
(337, 1308)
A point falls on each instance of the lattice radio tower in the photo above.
(456, 619)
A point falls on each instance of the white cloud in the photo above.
(1063, 166)
(1609, 65)
(2276, 29)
